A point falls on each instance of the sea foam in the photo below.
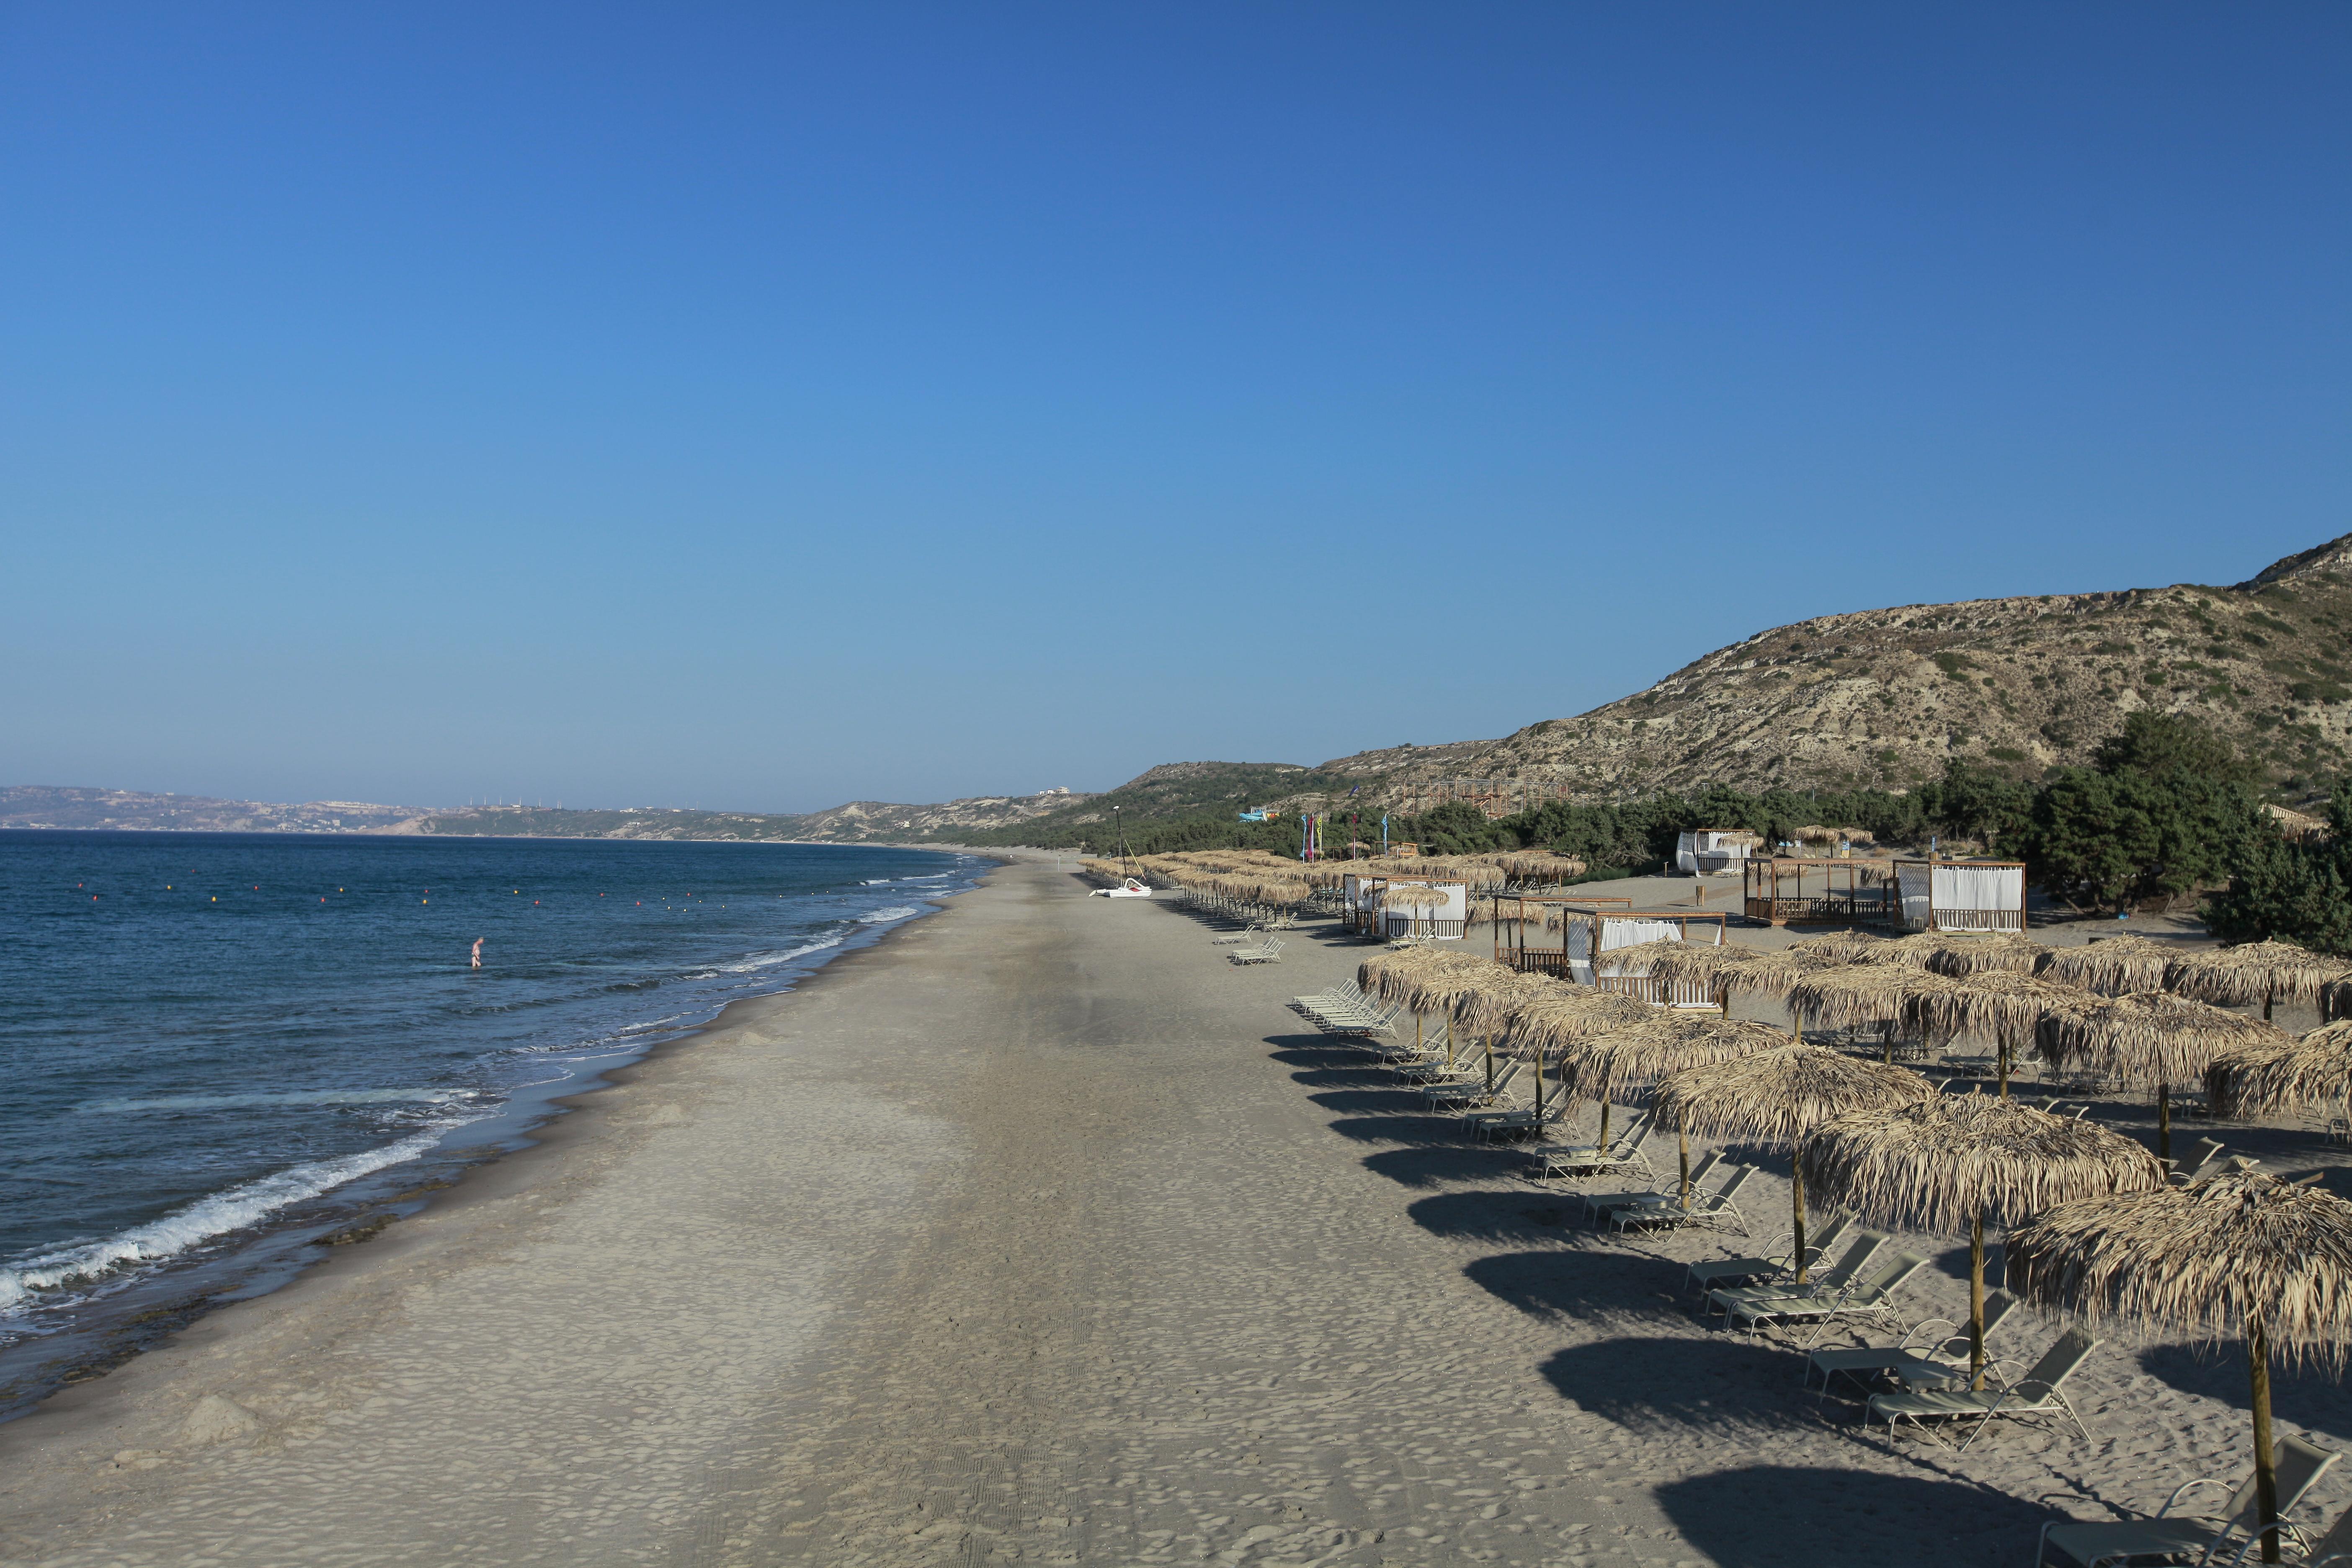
(199, 1222)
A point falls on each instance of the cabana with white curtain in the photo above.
(1427, 912)
(1713, 851)
(1960, 895)
(1592, 938)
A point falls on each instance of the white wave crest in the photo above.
(298, 1096)
(770, 960)
(201, 1221)
(895, 912)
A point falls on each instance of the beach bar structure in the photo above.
(1592, 929)
(1408, 907)
(1713, 851)
(1959, 895)
(1778, 889)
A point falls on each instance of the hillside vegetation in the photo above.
(1885, 698)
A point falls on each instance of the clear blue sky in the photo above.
(759, 406)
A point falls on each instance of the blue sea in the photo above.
(222, 1047)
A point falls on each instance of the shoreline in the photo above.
(88, 1418)
(274, 1253)
(1047, 1234)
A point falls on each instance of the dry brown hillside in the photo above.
(1885, 698)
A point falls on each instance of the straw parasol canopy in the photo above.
(2116, 965)
(1778, 1096)
(1952, 1163)
(2002, 1004)
(1413, 898)
(1995, 953)
(1491, 1009)
(1775, 974)
(1840, 946)
(2241, 1254)
(1622, 1061)
(1862, 994)
(1641, 957)
(2263, 972)
(2151, 1036)
(1700, 961)
(1574, 1012)
(1426, 979)
(2314, 1073)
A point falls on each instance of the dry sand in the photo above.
(1041, 1233)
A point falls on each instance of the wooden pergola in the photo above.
(1778, 889)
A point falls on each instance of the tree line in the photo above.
(2164, 811)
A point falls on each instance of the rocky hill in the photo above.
(1885, 698)
(50, 806)
(866, 819)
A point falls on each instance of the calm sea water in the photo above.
(220, 1045)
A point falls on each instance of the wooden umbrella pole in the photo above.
(1976, 1302)
(1683, 1140)
(1449, 1040)
(1797, 1210)
(2258, 1365)
(1604, 1126)
(2164, 1121)
(1489, 1041)
(2004, 1068)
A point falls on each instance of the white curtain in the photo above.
(1976, 888)
(1912, 884)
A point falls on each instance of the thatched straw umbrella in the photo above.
(2152, 1038)
(1995, 953)
(1860, 994)
(2007, 1005)
(1840, 946)
(2114, 965)
(2314, 1073)
(1777, 1097)
(1570, 1014)
(1611, 1065)
(2264, 971)
(1414, 896)
(1678, 962)
(1774, 975)
(1426, 980)
(1951, 1162)
(2242, 1254)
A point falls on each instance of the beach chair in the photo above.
(1472, 1091)
(1595, 1158)
(1271, 952)
(2042, 1391)
(1517, 1122)
(2207, 1163)
(1872, 1295)
(1708, 1273)
(1603, 1202)
(1934, 1352)
(1248, 933)
(1829, 1282)
(2223, 1538)
(1719, 1207)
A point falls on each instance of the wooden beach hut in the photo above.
(1713, 851)
(1959, 895)
(1778, 889)
(1423, 912)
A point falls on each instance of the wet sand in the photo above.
(1038, 1233)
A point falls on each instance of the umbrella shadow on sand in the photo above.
(1662, 1385)
(2305, 1398)
(1600, 1283)
(1793, 1516)
(1426, 1162)
(1520, 1219)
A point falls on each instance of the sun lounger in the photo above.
(1934, 1352)
(1600, 1204)
(1709, 1273)
(1248, 933)
(1829, 1282)
(1269, 953)
(1872, 1295)
(1472, 1090)
(1596, 1159)
(1517, 1122)
(2042, 1391)
(2222, 1539)
(2208, 1163)
(1719, 1207)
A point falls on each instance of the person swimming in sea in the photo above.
(477, 953)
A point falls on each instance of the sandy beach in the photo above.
(1042, 1233)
